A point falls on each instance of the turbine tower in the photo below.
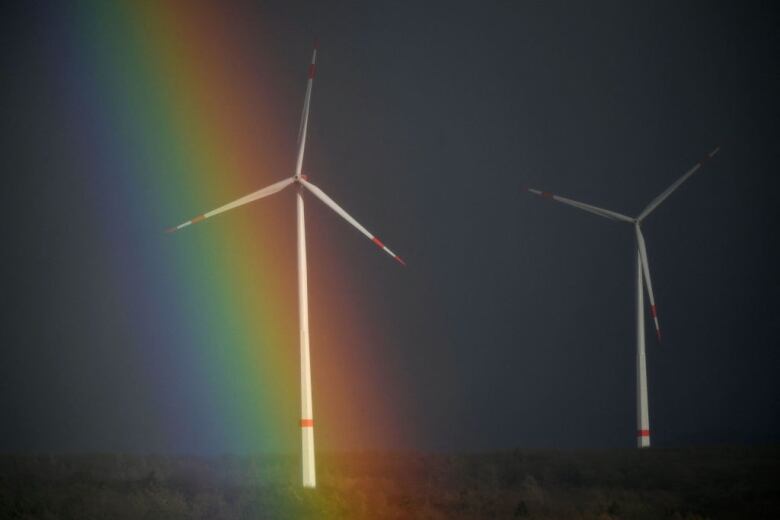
(302, 184)
(642, 272)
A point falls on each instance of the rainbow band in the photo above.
(170, 127)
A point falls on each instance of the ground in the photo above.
(675, 483)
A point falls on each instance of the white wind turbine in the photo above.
(307, 417)
(642, 271)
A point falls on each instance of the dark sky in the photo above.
(514, 323)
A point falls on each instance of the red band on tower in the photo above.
(307, 423)
(643, 433)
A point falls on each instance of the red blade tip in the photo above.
(400, 260)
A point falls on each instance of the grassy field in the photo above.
(690, 483)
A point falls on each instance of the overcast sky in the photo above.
(514, 323)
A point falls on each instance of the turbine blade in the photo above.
(640, 239)
(346, 216)
(246, 199)
(305, 114)
(662, 197)
(613, 215)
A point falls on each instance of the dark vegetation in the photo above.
(691, 483)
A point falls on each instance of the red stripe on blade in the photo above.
(643, 433)
(312, 70)
(377, 242)
(307, 423)
(653, 312)
(199, 218)
(547, 195)
(400, 260)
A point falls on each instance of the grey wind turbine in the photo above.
(642, 272)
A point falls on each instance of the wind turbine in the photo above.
(301, 182)
(642, 271)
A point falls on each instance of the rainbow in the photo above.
(172, 115)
